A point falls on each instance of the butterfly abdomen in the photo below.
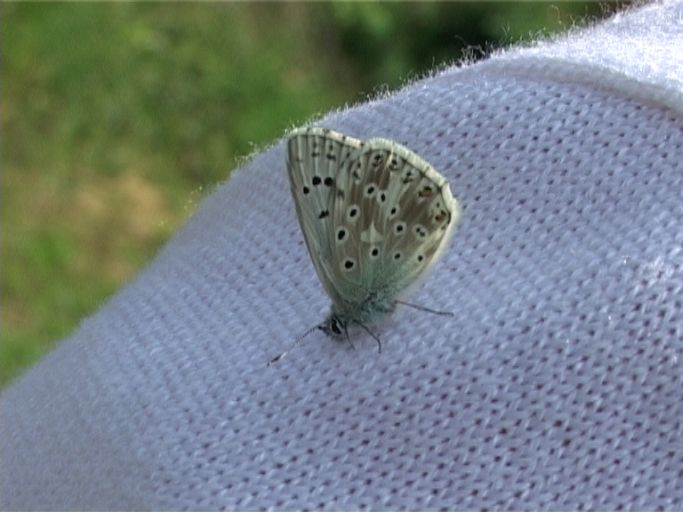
(375, 306)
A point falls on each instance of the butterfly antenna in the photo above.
(379, 342)
(294, 345)
(422, 308)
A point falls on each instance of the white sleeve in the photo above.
(555, 385)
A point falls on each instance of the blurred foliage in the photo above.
(115, 117)
(387, 45)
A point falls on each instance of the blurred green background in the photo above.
(117, 118)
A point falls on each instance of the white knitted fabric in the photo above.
(557, 384)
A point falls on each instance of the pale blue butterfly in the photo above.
(374, 216)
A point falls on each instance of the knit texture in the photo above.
(556, 384)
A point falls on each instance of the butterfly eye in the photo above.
(393, 165)
(370, 190)
(397, 256)
(382, 197)
(306, 190)
(334, 326)
(328, 181)
(374, 252)
(393, 212)
(316, 180)
(399, 228)
(420, 257)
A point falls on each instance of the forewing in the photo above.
(317, 160)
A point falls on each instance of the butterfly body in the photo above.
(375, 307)
(374, 216)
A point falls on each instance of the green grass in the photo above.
(115, 117)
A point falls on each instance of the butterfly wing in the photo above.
(374, 214)
(316, 158)
(407, 214)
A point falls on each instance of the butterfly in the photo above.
(374, 216)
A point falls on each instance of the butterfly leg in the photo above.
(376, 338)
(346, 333)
